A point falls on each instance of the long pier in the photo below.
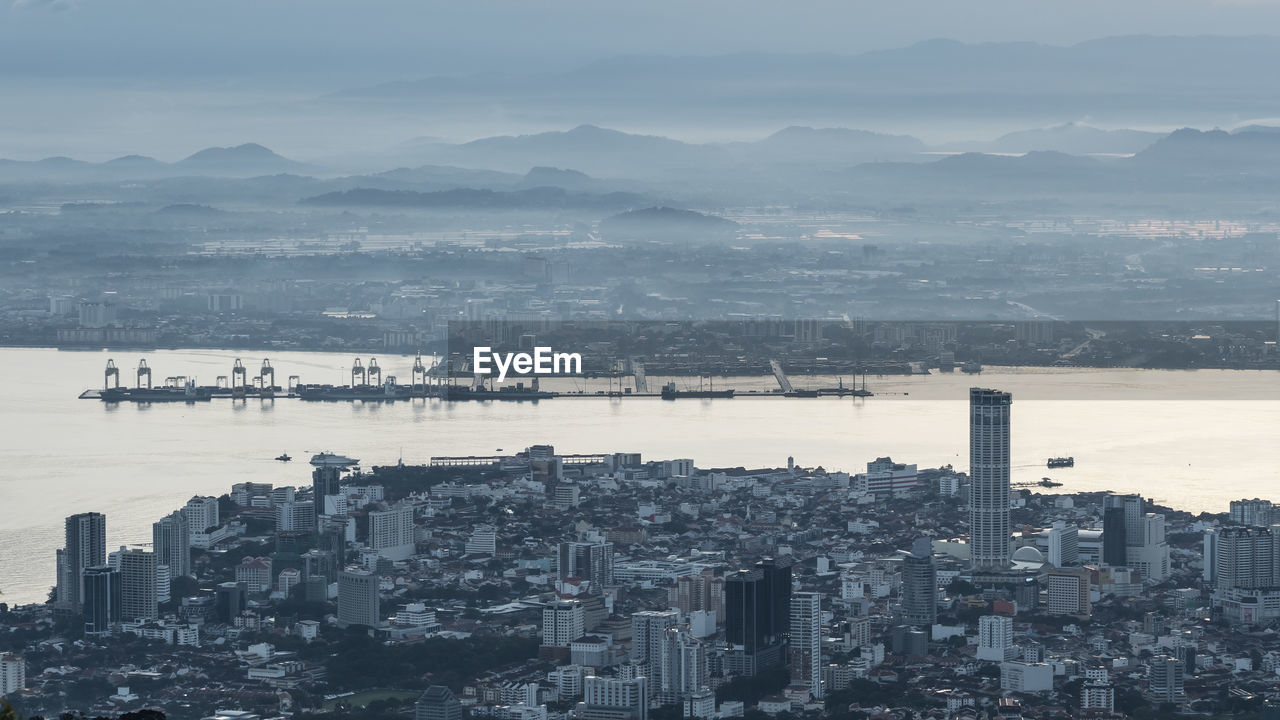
(369, 385)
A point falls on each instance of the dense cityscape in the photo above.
(542, 585)
(578, 360)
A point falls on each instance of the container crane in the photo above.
(111, 372)
(144, 370)
(357, 370)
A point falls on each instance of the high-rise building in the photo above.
(757, 615)
(1149, 552)
(333, 538)
(703, 591)
(1245, 558)
(358, 598)
(232, 598)
(102, 600)
(86, 546)
(1255, 513)
(321, 564)
(647, 628)
(1064, 544)
(295, 516)
(1133, 507)
(989, 530)
(919, 585)
(676, 665)
(171, 542)
(1098, 696)
(614, 699)
(137, 585)
(201, 514)
(437, 702)
(483, 541)
(1166, 679)
(13, 674)
(326, 481)
(1114, 542)
(256, 573)
(995, 638)
(754, 601)
(777, 588)
(806, 641)
(563, 621)
(588, 560)
(1067, 592)
(392, 532)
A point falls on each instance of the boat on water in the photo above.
(284, 458)
(386, 391)
(188, 393)
(972, 367)
(669, 392)
(326, 459)
(509, 392)
(1061, 462)
(1049, 482)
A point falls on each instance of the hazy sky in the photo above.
(334, 41)
(99, 78)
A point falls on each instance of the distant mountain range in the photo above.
(1073, 138)
(246, 160)
(593, 167)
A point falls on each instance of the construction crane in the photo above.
(144, 370)
(111, 372)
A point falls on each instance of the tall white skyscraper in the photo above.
(13, 674)
(806, 641)
(989, 529)
(563, 621)
(1064, 544)
(137, 585)
(995, 638)
(391, 532)
(201, 513)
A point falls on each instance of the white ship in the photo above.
(331, 460)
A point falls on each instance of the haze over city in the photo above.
(903, 360)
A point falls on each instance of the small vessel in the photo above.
(510, 392)
(1049, 482)
(331, 460)
(1061, 462)
(669, 392)
(284, 458)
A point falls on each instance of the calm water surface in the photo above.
(1193, 440)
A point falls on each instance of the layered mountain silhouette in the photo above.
(246, 160)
